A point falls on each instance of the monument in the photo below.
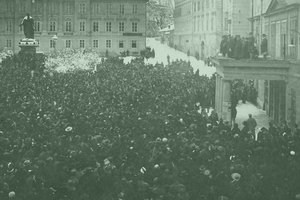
(28, 44)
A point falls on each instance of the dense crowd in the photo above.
(238, 47)
(132, 132)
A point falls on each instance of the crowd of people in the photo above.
(133, 132)
(238, 47)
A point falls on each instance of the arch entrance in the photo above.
(274, 72)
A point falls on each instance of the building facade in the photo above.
(236, 17)
(200, 24)
(110, 26)
(282, 27)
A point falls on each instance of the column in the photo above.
(217, 94)
(226, 107)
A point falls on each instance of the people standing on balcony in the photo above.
(245, 50)
(231, 45)
(224, 46)
(238, 47)
(264, 46)
(251, 49)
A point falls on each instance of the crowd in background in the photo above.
(133, 132)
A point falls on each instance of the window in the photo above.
(121, 44)
(82, 8)
(52, 44)
(293, 38)
(9, 26)
(22, 7)
(68, 26)
(134, 44)
(195, 6)
(82, 26)
(194, 26)
(212, 22)
(207, 3)
(52, 26)
(68, 8)
(108, 26)
(203, 23)
(108, 43)
(68, 43)
(207, 21)
(37, 26)
(108, 8)
(81, 43)
(9, 6)
(122, 10)
(198, 5)
(134, 27)
(96, 8)
(121, 26)
(198, 23)
(8, 43)
(52, 6)
(95, 43)
(134, 8)
(38, 7)
(95, 26)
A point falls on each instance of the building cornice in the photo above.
(282, 10)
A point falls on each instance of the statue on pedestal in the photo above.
(28, 26)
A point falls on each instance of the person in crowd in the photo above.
(264, 46)
(224, 46)
(251, 124)
(235, 130)
(231, 46)
(238, 47)
(251, 45)
(233, 113)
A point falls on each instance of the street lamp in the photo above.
(55, 38)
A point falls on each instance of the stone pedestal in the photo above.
(28, 46)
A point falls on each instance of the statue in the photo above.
(28, 26)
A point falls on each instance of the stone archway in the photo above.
(276, 72)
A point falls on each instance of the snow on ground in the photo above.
(261, 117)
(163, 50)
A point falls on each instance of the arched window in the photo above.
(68, 25)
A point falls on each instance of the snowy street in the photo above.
(163, 50)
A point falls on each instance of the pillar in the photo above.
(217, 94)
(226, 100)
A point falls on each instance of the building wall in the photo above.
(183, 25)
(76, 11)
(282, 34)
(199, 22)
(236, 17)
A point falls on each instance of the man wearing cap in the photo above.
(264, 46)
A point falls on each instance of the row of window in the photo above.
(68, 44)
(108, 44)
(203, 22)
(69, 7)
(202, 5)
(82, 26)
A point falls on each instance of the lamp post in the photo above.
(54, 38)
